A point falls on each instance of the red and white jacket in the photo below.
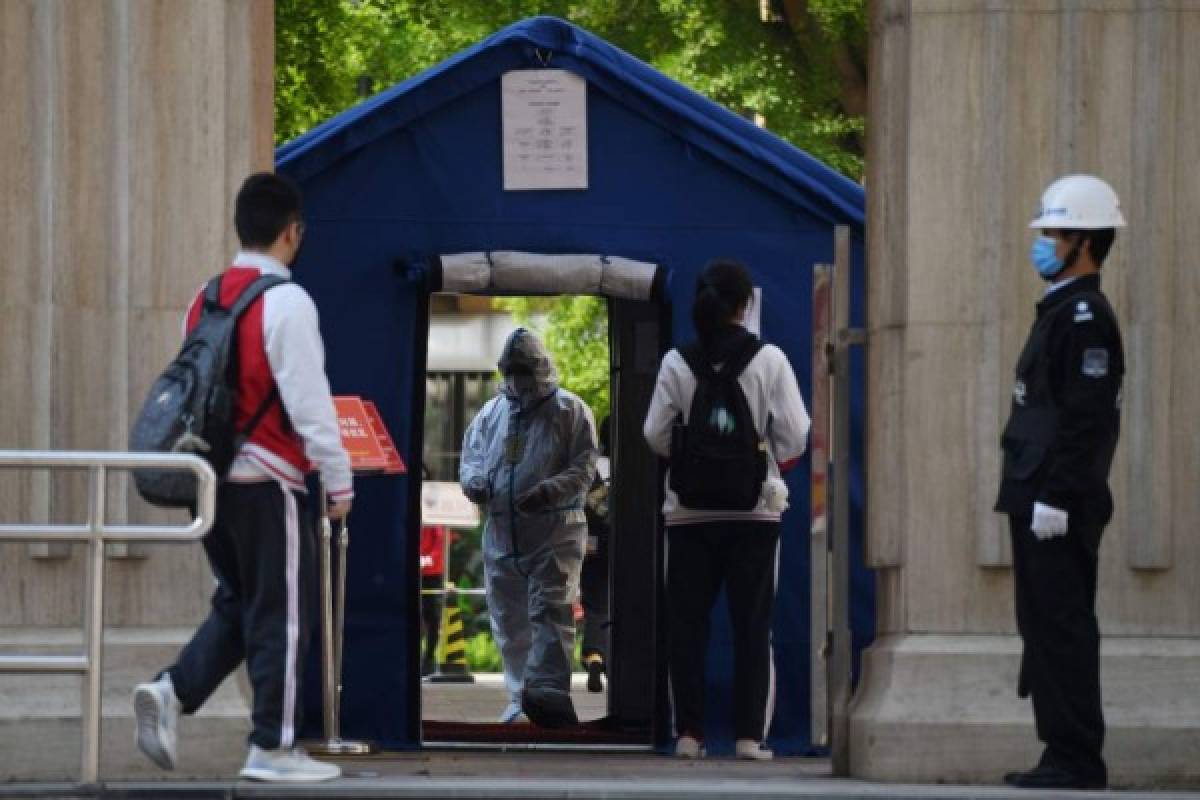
(279, 344)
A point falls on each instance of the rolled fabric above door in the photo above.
(513, 272)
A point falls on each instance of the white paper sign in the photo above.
(753, 320)
(545, 129)
(443, 503)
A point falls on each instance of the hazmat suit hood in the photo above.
(529, 373)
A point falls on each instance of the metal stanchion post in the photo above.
(339, 630)
(333, 636)
(329, 679)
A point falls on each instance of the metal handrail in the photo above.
(96, 532)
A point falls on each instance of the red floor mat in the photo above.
(599, 732)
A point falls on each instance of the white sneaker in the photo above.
(286, 766)
(750, 750)
(156, 709)
(512, 713)
(688, 747)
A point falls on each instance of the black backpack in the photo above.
(718, 460)
(190, 408)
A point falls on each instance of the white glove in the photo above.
(1048, 522)
(776, 494)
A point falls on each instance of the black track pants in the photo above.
(593, 596)
(1060, 665)
(701, 559)
(261, 549)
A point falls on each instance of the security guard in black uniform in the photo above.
(1058, 446)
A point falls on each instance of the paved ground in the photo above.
(556, 772)
(483, 700)
(537, 775)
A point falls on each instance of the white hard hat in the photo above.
(1079, 202)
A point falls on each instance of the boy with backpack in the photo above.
(727, 412)
(249, 391)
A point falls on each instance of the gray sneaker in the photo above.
(750, 750)
(286, 766)
(689, 747)
(157, 711)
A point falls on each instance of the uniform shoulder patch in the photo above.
(1083, 311)
(1095, 362)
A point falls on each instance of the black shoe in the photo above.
(428, 667)
(1051, 778)
(595, 681)
(549, 708)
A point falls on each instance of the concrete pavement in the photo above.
(574, 775)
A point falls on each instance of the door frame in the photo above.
(634, 354)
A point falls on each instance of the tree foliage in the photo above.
(803, 70)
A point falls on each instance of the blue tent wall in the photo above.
(674, 179)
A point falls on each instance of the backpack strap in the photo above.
(738, 362)
(693, 355)
(212, 294)
(260, 412)
(252, 292)
(698, 362)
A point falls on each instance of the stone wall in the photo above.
(127, 127)
(975, 107)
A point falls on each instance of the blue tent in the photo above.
(675, 180)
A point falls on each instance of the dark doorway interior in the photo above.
(639, 333)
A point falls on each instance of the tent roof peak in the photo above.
(551, 42)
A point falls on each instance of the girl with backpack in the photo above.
(728, 414)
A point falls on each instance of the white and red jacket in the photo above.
(279, 345)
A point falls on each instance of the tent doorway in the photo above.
(633, 703)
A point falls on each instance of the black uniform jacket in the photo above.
(1062, 430)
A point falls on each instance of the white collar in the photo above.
(268, 265)
(1054, 287)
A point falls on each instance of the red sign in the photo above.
(393, 464)
(358, 437)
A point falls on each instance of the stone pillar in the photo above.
(975, 107)
(127, 127)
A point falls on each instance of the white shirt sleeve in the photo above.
(664, 406)
(292, 338)
(789, 423)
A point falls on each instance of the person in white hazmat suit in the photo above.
(529, 457)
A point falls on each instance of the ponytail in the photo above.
(723, 289)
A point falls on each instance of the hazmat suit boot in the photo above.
(547, 707)
(511, 714)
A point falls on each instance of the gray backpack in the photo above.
(190, 408)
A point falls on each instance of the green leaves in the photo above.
(804, 74)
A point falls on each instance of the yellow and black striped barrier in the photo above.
(453, 645)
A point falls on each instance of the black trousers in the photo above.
(593, 596)
(1060, 663)
(261, 549)
(701, 559)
